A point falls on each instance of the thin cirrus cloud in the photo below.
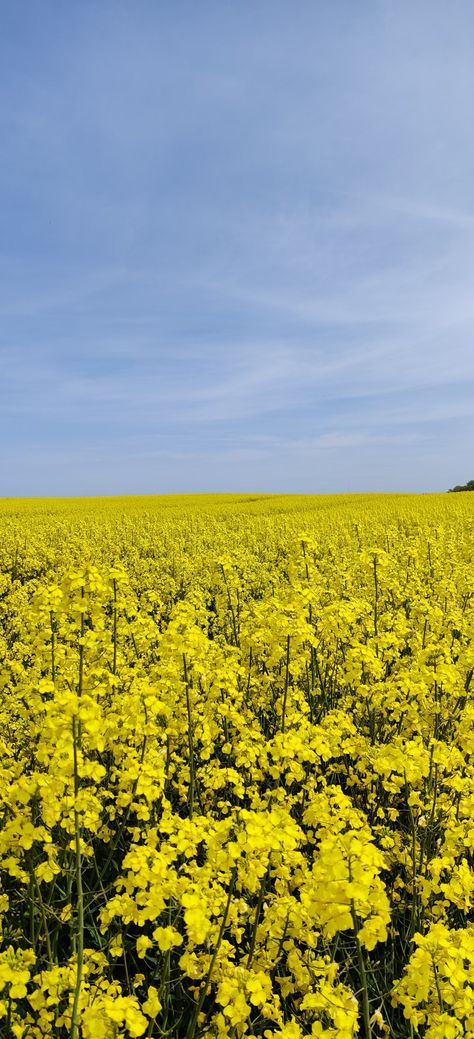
(236, 248)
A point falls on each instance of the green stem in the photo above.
(438, 990)
(414, 907)
(80, 899)
(261, 895)
(231, 608)
(76, 743)
(190, 740)
(43, 918)
(199, 1005)
(287, 682)
(376, 600)
(114, 664)
(53, 646)
(363, 975)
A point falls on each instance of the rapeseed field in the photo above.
(237, 767)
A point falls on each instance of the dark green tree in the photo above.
(469, 486)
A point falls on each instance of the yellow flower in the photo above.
(167, 937)
(142, 945)
(152, 1005)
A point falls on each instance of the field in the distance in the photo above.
(236, 764)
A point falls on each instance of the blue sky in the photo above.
(236, 246)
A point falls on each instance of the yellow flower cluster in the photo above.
(237, 767)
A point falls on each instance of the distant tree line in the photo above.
(469, 486)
